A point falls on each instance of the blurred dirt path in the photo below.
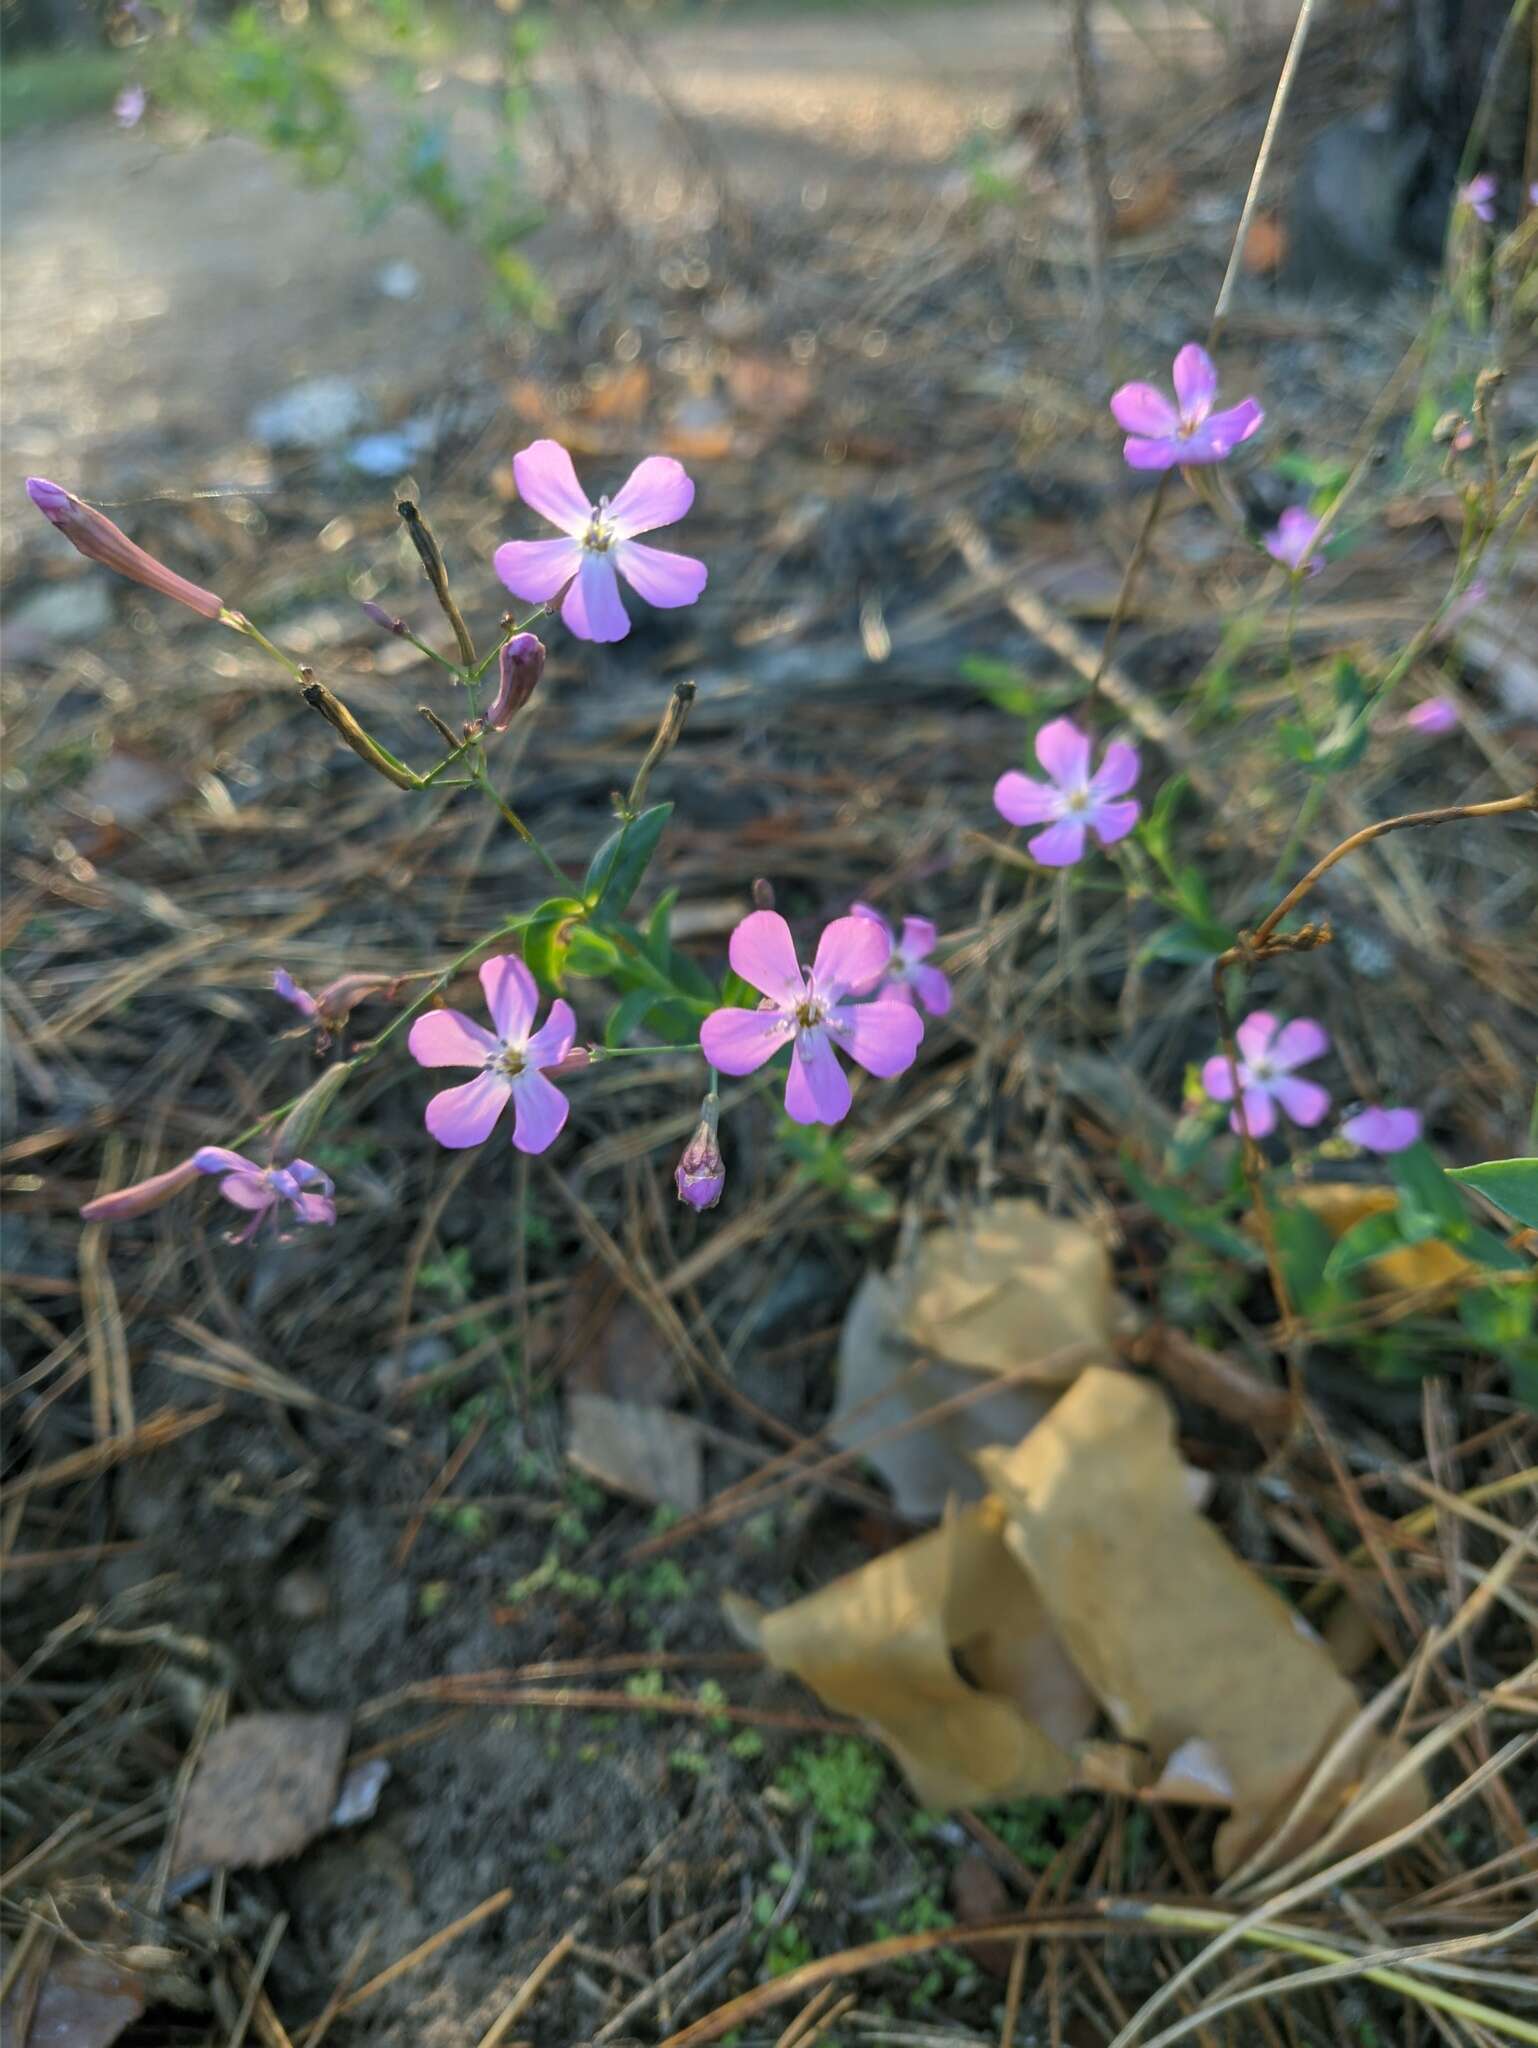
(153, 295)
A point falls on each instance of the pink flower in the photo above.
(1478, 195)
(600, 539)
(701, 1172)
(128, 108)
(262, 1189)
(520, 664)
(1290, 537)
(95, 536)
(1267, 1058)
(512, 1063)
(907, 977)
(812, 1013)
(1073, 800)
(1438, 715)
(1383, 1130)
(1162, 437)
(142, 1196)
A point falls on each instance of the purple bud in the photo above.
(143, 1196)
(701, 1172)
(386, 620)
(763, 894)
(520, 664)
(1433, 718)
(95, 536)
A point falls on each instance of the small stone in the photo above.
(301, 1596)
(316, 414)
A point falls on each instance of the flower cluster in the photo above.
(1269, 1055)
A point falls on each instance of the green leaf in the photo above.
(1304, 1248)
(1362, 1243)
(1189, 1218)
(1487, 1249)
(590, 953)
(615, 871)
(659, 927)
(629, 1014)
(548, 938)
(1156, 828)
(1425, 1187)
(1344, 743)
(1512, 1184)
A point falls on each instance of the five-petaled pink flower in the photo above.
(599, 539)
(1289, 540)
(263, 1189)
(1383, 1130)
(1268, 1056)
(813, 1012)
(512, 1062)
(1433, 718)
(1165, 436)
(1074, 800)
(907, 977)
(1478, 195)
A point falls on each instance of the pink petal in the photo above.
(883, 1036)
(817, 1090)
(933, 989)
(1111, 822)
(1117, 772)
(448, 1038)
(865, 910)
(314, 1209)
(1144, 409)
(1259, 1110)
(852, 955)
(466, 1115)
(1437, 715)
(918, 939)
(1217, 1081)
(1299, 1042)
(511, 997)
(739, 1041)
(763, 952)
(1304, 1101)
(1022, 800)
(1221, 434)
(1383, 1130)
(540, 1111)
(1153, 454)
(284, 984)
(536, 569)
(220, 1159)
(1255, 1034)
(547, 482)
(248, 1190)
(656, 492)
(552, 1041)
(662, 578)
(592, 609)
(1064, 752)
(1196, 383)
(1060, 845)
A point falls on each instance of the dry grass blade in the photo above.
(529, 1990)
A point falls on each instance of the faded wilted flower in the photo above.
(813, 1012)
(701, 1171)
(512, 1062)
(263, 1189)
(143, 1196)
(599, 539)
(95, 536)
(520, 664)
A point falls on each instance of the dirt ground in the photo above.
(280, 1556)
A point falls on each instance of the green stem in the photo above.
(509, 816)
(239, 623)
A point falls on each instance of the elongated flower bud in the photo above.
(520, 664)
(143, 1196)
(95, 536)
(377, 614)
(309, 1112)
(363, 744)
(701, 1172)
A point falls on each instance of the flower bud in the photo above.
(520, 664)
(380, 617)
(93, 534)
(143, 1196)
(308, 1114)
(701, 1172)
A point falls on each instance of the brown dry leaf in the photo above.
(888, 1644)
(768, 387)
(1265, 246)
(621, 395)
(264, 1787)
(649, 1453)
(1341, 1204)
(1188, 1649)
(1009, 1285)
(1149, 204)
(85, 2001)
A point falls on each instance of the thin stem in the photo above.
(241, 624)
(510, 816)
(431, 557)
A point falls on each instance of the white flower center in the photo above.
(810, 1012)
(1078, 800)
(599, 537)
(508, 1061)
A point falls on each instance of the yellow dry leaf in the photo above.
(1188, 1649)
(884, 1644)
(1339, 1204)
(1009, 1285)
